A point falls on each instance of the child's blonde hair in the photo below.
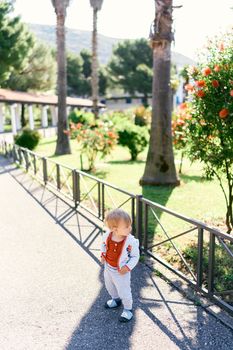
(114, 216)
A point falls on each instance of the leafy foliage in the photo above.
(79, 75)
(28, 138)
(96, 138)
(134, 137)
(16, 42)
(211, 126)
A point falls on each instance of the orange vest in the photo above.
(114, 250)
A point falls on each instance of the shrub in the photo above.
(100, 138)
(180, 128)
(28, 138)
(134, 137)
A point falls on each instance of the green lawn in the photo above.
(195, 197)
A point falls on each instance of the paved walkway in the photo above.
(51, 288)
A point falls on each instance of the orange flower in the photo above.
(223, 113)
(79, 125)
(189, 87)
(200, 93)
(206, 71)
(231, 93)
(215, 83)
(217, 68)
(67, 132)
(180, 122)
(111, 134)
(200, 83)
(183, 105)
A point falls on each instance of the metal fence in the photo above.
(207, 264)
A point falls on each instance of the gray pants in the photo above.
(118, 286)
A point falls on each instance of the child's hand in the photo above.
(123, 270)
(102, 260)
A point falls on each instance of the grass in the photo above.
(196, 197)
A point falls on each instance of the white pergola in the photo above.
(15, 99)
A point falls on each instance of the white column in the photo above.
(13, 120)
(1, 118)
(44, 117)
(68, 110)
(31, 117)
(54, 115)
(18, 116)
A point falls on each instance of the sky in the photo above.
(194, 22)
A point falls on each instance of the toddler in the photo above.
(119, 254)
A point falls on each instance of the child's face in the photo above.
(122, 229)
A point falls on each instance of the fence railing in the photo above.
(207, 261)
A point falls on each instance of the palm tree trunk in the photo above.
(63, 144)
(95, 79)
(160, 166)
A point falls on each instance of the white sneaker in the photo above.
(126, 316)
(113, 303)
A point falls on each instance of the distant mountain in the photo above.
(77, 40)
(81, 39)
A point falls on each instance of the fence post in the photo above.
(45, 170)
(99, 200)
(200, 258)
(26, 159)
(211, 264)
(34, 163)
(103, 202)
(139, 217)
(20, 156)
(76, 187)
(13, 153)
(145, 238)
(58, 177)
(133, 215)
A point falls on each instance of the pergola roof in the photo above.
(9, 96)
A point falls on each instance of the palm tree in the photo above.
(96, 5)
(160, 166)
(63, 144)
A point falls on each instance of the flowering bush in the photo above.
(211, 128)
(180, 129)
(94, 139)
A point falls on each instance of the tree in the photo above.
(160, 166)
(211, 126)
(74, 75)
(96, 5)
(79, 75)
(131, 67)
(39, 74)
(16, 42)
(63, 144)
